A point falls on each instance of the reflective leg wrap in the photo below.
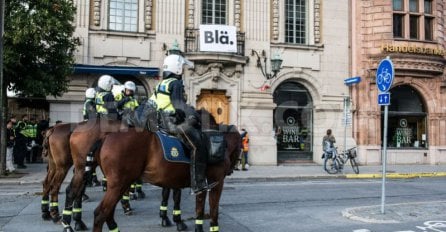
(77, 210)
(214, 227)
(54, 211)
(66, 215)
(177, 216)
(198, 225)
(163, 211)
(125, 202)
(45, 203)
(116, 229)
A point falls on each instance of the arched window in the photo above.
(407, 119)
(293, 121)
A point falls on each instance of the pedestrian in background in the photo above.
(10, 140)
(20, 149)
(245, 148)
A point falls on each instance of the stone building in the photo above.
(411, 33)
(286, 113)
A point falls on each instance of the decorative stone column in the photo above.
(97, 13)
(237, 14)
(190, 14)
(275, 29)
(148, 15)
(317, 21)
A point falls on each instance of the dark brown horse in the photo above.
(127, 155)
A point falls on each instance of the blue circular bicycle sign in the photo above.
(384, 75)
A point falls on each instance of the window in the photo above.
(413, 19)
(407, 119)
(295, 21)
(214, 12)
(123, 15)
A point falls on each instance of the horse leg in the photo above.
(214, 202)
(106, 209)
(46, 196)
(200, 201)
(56, 182)
(73, 192)
(165, 221)
(105, 212)
(125, 202)
(77, 213)
(181, 226)
(141, 194)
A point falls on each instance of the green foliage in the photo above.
(39, 46)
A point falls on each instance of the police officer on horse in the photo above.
(182, 120)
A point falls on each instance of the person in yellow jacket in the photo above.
(126, 101)
(182, 120)
(105, 101)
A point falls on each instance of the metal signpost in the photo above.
(347, 120)
(384, 79)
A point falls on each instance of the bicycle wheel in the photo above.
(331, 165)
(354, 165)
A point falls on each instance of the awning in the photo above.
(116, 70)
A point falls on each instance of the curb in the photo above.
(396, 175)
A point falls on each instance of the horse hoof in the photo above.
(128, 211)
(181, 226)
(46, 216)
(80, 226)
(56, 219)
(68, 229)
(199, 228)
(165, 222)
(141, 195)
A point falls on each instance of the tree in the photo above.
(39, 46)
(38, 51)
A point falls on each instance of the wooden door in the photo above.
(216, 102)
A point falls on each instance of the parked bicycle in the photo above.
(335, 162)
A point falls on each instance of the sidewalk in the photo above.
(35, 173)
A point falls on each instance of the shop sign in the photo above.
(290, 134)
(412, 49)
(218, 38)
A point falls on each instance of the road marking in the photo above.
(362, 230)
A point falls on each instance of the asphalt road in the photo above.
(306, 205)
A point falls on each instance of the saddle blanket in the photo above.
(172, 148)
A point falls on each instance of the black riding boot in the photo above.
(192, 137)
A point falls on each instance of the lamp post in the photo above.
(276, 62)
(2, 95)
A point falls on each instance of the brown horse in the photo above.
(82, 140)
(56, 149)
(127, 155)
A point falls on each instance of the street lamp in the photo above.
(276, 62)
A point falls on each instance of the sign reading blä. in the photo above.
(218, 38)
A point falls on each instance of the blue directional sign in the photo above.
(384, 99)
(384, 75)
(352, 80)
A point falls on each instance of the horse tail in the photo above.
(46, 143)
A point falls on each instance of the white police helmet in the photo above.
(130, 85)
(90, 93)
(105, 82)
(174, 64)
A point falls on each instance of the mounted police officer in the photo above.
(105, 101)
(89, 110)
(126, 101)
(180, 119)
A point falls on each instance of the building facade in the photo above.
(286, 113)
(411, 34)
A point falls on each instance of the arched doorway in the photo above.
(293, 122)
(407, 119)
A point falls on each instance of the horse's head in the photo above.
(207, 120)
